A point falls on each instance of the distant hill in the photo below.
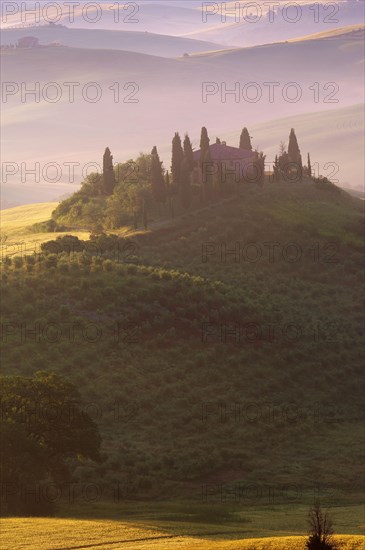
(182, 18)
(133, 41)
(355, 32)
(15, 193)
(356, 193)
(337, 60)
(148, 16)
(264, 29)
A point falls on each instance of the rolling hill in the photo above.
(209, 338)
(307, 61)
(132, 41)
(148, 16)
(357, 32)
(180, 18)
(276, 408)
(265, 27)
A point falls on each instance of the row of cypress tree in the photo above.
(182, 165)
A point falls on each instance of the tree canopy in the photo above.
(44, 430)
(245, 140)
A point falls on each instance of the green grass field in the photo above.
(163, 381)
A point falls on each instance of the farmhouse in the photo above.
(230, 159)
(28, 42)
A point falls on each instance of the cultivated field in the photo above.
(16, 235)
(57, 534)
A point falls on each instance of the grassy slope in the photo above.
(17, 218)
(163, 380)
(15, 223)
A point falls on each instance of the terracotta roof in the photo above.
(219, 151)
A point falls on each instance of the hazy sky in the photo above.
(65, 104)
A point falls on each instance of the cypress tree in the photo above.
(204, 141)
(284, 166)
(108, 172)
(157, 179)
(260, 167)
(207, 176)
(167, 184)
(188, 153)
(205, 162)
(218, 141)
(276, 174)
(177, 159)
(294, 153)
(283, 161)
(245, 140)
(309, 167)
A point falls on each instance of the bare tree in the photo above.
(321, 530)
(282, 148)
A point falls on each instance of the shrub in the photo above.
(18, 262)
(49, 226)
(63, 267)
(51, 260)
(30, 260)
(321, 530)
(108, 265)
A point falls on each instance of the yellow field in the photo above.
(65, 534)
(16, 238)
(16, 219)
(333, 33)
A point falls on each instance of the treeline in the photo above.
(141, 190)
(288, 163)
